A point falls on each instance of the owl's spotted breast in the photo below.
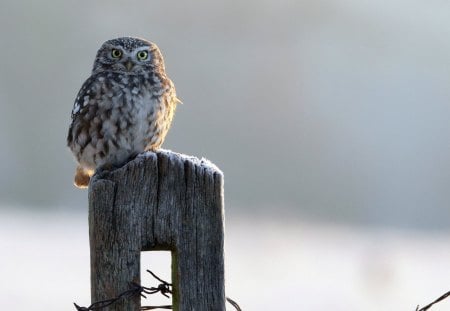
(118, 115)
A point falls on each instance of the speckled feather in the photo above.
(120, 112)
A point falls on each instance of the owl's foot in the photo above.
(131, 157)
(82, 177)
(104, 170)
(109, 167)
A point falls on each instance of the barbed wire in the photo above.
(447, 294)
(164, 288)
(234, 304)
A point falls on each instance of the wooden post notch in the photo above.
(159, 201)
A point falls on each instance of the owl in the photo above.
(124, 108)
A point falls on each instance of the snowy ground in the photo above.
(270, 265)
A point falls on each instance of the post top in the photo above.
(174, 159)
(171, 155)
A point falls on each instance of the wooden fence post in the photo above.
(159, 201)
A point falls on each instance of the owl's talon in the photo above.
(101, 174)
(105, 168)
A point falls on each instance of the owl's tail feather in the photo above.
(82, 177)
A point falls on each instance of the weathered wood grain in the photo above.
(159, 201)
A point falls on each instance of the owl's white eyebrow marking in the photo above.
(142, 48)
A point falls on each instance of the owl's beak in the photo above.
(129, 65)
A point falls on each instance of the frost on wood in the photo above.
(159, 201)
(204, 163)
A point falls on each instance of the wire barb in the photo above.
(447, 294)
(164, 288)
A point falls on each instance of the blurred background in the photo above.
(329, 119)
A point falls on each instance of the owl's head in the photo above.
(128, 55)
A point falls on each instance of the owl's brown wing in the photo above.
(84, 95)
(81, 101)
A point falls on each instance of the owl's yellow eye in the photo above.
(115, 53)
(142, 55)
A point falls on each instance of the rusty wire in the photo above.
(447, 294)
(234, 304)
(164, 288)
